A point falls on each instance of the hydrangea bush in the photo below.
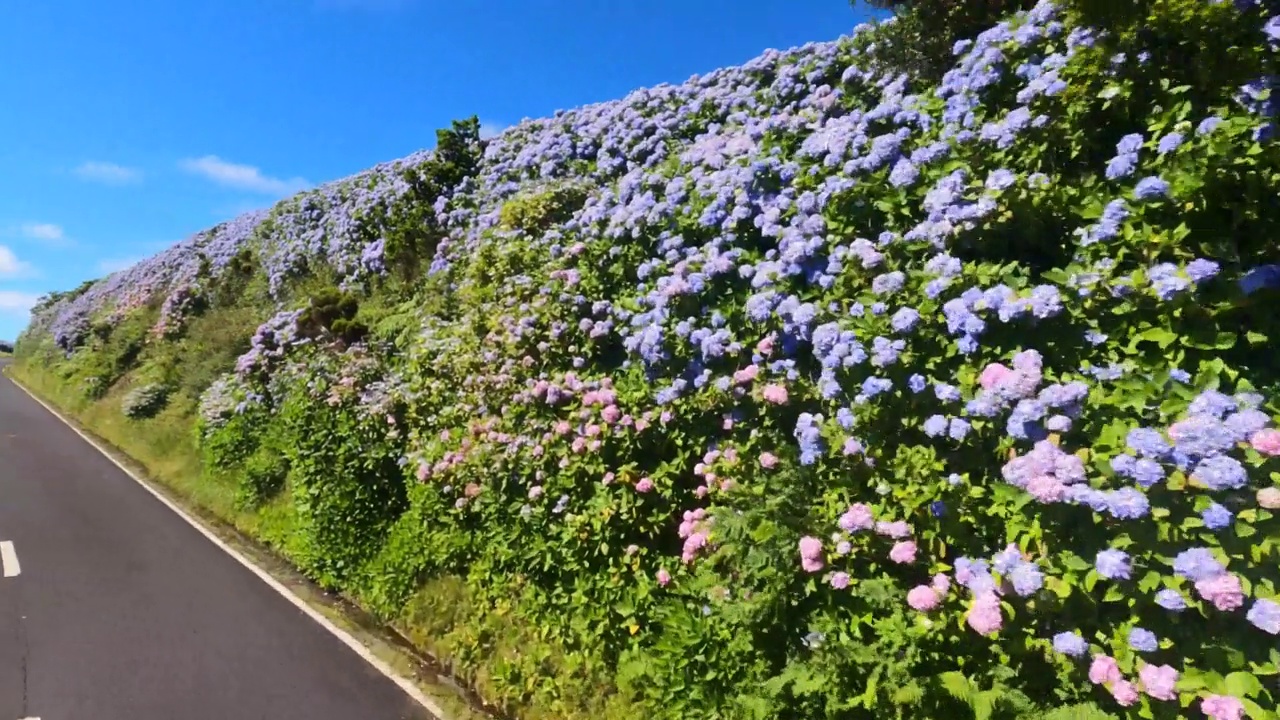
(808, 388)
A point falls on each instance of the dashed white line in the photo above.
(9, 559)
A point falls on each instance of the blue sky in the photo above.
(125, 127)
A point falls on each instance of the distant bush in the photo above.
(145, 401)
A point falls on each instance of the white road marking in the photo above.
(9, 559)
(345, 637)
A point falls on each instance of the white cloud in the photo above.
(10, 265)
(43, 231)
(241, 177)
(17, 303)
(488, 129)
(107, 173)
(110, 265)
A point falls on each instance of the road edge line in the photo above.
(345, 637)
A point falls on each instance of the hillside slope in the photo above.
(805, 388)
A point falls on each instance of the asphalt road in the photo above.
(121, 611)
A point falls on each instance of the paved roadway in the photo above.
(119, 610)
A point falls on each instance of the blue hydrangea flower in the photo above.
(946, 393)
(1113, 564)
(1169, 143)
(1261, 277)
(1147, 472)
(916, 383)
(1026, 578)
(935, 426)
(1197, 564)
(905, 320)
(1216, 517)
(1143, 640)
(1151, 187)
(1265, 615)
(1200, 269)
(1127, 503)
(1147, 443)
(1221, 473)
(1070, 644)
(1171, 600)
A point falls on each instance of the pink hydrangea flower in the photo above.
(1046, 488)
(611, 414)
(1222, 707)
(664, 578)
(1269, 498)
(984, 614)
(810, 554)
(765, 346)
(776, 394)
(1266, 441)
(424, 472)
(768, 460)
(923, 598)
(1223, 590)
(903, 552)
(535, 492)
(941, 584)
(896, 530)
(992, 375)
(644, 485)
(1158, 681)
(1124, 692)
(857, 517)
(840, 580)
(1104, 670)
(746, 374)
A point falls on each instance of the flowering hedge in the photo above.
(808, 388)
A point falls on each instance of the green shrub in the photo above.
(262, 476)
(144, 401)
(346, 482)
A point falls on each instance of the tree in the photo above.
(922, 37)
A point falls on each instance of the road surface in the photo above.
(114, 608)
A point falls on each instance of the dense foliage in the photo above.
(806, 388)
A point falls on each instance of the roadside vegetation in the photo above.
(925, 373)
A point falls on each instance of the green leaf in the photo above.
(1242, 684)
